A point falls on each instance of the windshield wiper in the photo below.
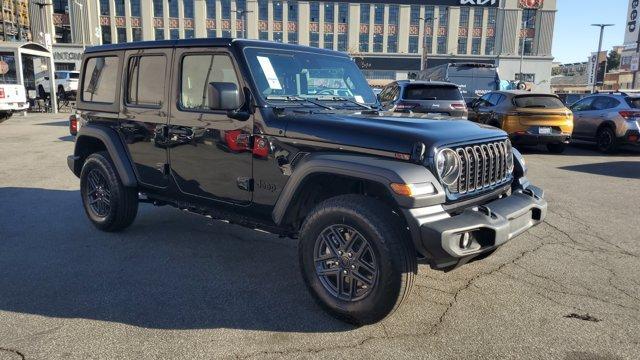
(298, 99)
(338, 98)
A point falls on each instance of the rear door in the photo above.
(603, 107)
(143, 117)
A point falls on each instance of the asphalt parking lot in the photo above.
(176, 285)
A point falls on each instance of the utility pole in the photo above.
(423, 58)
(243, 15)
(595, 80)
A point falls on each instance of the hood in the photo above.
(387, 131)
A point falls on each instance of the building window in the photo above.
(159, 34)
(413, 44)
(226, 9)
(394, 11)
(211, 33)
(226, 33)
(145, 81)
(174, 34)
(211, 9)
(343, 13)
(379, 74)
(60, 6)
(293, 37)
(104, 7)
(240, 4)
(173, 8)
(278, 37)
(135, 8)
(528, 46)
(492, 18)
(464, 17)
(378, 14)
(263, 9)
(189, 34)
(106, 34)
(377, 43)
(328, 13)
(63, 34)
(137, 34)
(264, 35)
(328, 41)
(158, 11)
(314, 12)
(462, 45)
(428, 44)
(122, 35)
(343, 42)
(277, 11)
(392, 44)
(526, 77)
(119, 7)
(292, 14)
(442, 45)
(490, 46)
(528, 18)
(364, 42)
(314, 39)
(188, 9)
(429, 15)
(478, 17)
(444, 16)
(365, 14)
(414, 16)
(475, 46)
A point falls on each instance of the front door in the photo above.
(582, 113)
(209, 153)
(144, 112)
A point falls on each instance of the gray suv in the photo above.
(609, 119)
(431, 97)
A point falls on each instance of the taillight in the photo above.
(458, 106)
(1, 93)
(629, 115)
(73, 125)
(405, 106)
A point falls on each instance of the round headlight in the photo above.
(448, 166)
(509, 156)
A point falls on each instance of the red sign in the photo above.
(531, 4)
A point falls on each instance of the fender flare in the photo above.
(375, 169)
(116, 149)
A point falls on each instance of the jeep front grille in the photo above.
(482, 166)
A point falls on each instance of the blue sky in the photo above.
(574, 38)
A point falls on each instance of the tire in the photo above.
(41, 93)
(61, 93)
(556, 148)
(606, 140)
(389, 253)
(99, 180)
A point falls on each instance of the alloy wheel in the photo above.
(98, 193)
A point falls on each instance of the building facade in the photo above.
(14, 15)
(389, 39)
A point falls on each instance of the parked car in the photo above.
(474, 79)
(529, 118)
(423, 97)
(570, 99)
(228, 128)
(66, 83)
(610, 120)
(12, 98)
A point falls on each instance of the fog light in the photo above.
(465, 241)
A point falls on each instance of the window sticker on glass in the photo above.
(359, 99)
(269, 73)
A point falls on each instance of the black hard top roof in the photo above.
(205, 42)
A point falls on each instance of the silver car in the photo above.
(609, 119)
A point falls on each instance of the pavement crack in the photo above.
(12, 351)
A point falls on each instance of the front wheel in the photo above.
(109, 205)
(355, 260)
(606, 140)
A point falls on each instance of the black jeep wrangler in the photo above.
(290, 140)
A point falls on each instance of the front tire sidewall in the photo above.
(382, 298)
(610, 147)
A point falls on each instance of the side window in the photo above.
(583, 105)
(601, 103)
(613, 103)
(100, 75)
(198, 71)
(395, 93)
(500, 99)
(383, 93)
(485, 100)
(145, 80)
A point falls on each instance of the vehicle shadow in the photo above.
(55, 123)
(620, 169)
(579, 149)
(170, 270)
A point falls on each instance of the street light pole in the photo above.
(595, 80)
(423, 58)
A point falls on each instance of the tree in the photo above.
(613, 60)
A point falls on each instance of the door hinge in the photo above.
(245, 183)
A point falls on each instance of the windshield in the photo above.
(538, 101)
(430, 92)
(74, 75)
(281, 73)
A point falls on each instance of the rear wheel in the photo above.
(109, 205)
(355, 260)
(606, 140)
(557, 148)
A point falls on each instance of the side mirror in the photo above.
(223, 96)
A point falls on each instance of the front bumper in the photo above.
(486, 227)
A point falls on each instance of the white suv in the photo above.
(66, 84)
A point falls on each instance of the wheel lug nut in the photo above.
(353, 267)
(344, 272)
(340, 252)
(350, 254)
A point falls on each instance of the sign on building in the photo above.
(531, 4)
(631, 32)
(591, 74)
(635, 63)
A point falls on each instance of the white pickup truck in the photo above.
(66, 84)
(12, 99)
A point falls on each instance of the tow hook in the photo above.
(485, 210)
(530, 193)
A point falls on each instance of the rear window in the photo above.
(634, 102)
(538, 101)
(74, 75)
(100, 75)
(430, 92)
